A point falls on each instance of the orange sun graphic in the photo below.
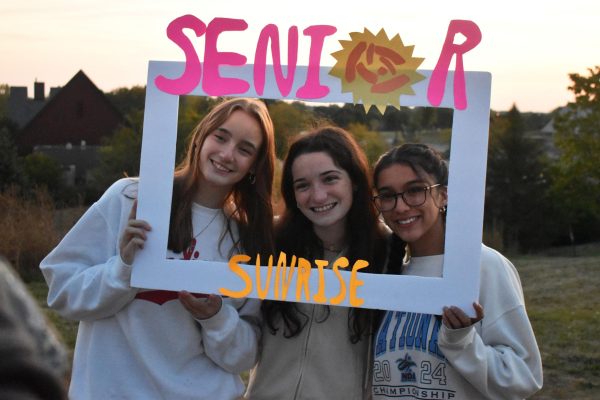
(377, 70)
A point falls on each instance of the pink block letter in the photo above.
(312, 88)
(260, 59)
(437, 83)
(191, 76)
(212, 83)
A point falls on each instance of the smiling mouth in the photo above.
(220, 167)
(406, 221)
(324, 208)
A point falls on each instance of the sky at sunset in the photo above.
(529, 47)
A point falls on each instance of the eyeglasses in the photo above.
(412, 197)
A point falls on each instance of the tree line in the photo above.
(535, 198)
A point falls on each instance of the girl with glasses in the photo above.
(148, 344)
(419, 356)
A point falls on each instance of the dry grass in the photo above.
(27, 231)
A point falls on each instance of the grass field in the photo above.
(563, 301)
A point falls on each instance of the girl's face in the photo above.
(422, 227)
(229, 152)
(323, 190)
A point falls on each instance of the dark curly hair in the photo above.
(294, 233)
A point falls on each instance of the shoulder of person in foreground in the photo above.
(15, 296)
(25, 371)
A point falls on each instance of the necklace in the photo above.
(209, 222)
(331, 248)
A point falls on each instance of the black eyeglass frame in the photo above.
(401, 194)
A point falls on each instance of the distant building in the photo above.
(545, 138)
(546, 135)
(68, 126)
(21, 108)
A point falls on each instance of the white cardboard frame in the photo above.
(460, 282)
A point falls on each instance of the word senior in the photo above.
(207, 73)
(281, 279)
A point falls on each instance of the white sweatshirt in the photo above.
(145, 347)
(417, 357)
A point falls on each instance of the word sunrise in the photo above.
(301, 269)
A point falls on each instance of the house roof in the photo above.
(78, 112)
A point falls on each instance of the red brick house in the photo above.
(70, 127)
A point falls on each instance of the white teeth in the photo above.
(324, 208)
(220, 167)
(407, 221)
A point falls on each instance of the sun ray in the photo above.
(375, 69)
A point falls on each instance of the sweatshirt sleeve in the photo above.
(86, 277)
(231, 336)
(500, 357)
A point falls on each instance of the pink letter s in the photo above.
(191, 76)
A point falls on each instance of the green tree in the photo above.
(42, 170)
(128, 100)
(370, 141)
(345, 115)
(516, 196)
(395, 120)
(11, 172)
(288, 120)
(424, 117)
(119, 154)
(191, 111)
(577, 136)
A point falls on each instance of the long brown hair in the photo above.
(250, 198)
(295, 234)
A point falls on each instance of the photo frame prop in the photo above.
(460, 282)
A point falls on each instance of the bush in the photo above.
(27, 230)
(42, 170)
